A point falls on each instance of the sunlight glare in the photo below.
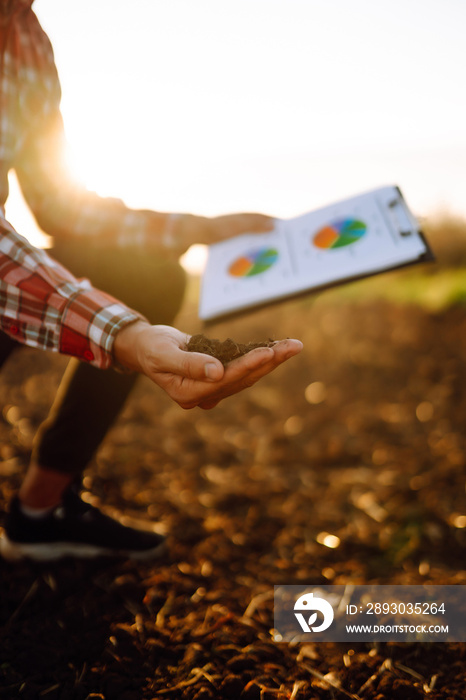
(279, 106)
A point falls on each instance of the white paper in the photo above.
(353, 238)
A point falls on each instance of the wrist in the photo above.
(127, 343)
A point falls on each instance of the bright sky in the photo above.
(281, 106)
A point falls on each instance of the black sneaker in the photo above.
(74, 528)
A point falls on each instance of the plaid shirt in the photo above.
(41, 304)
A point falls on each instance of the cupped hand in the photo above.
(190, 378)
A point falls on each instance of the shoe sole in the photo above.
(16, 551)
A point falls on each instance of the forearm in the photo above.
(44, 306)
(64, 208)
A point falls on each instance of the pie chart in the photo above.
(254, 262)
(339, 233)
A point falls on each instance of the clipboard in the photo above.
(353, 238)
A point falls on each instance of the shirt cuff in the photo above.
(89, 325)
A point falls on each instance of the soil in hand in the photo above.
(224, 350)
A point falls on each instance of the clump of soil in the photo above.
(224, 350)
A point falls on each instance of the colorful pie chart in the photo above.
(339, 233)
(254, 262)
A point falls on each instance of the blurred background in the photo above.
(278, 106)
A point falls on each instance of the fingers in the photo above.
(195, 366)
(261, 361)
(237, 376)
(285, 349)
(168, 355)
(246, 371)
(194, 379)
(256, 369)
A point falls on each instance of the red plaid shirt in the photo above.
(41, 304)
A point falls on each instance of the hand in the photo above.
(191, 229)
(190, 378)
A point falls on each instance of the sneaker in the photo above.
(77, 529)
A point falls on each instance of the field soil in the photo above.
(346, 465)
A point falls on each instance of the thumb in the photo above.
(197, 366)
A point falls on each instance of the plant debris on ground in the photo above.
(361, 437)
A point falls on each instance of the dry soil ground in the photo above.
(361, 437)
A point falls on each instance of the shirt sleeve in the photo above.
(62, 206)
(45, 306)
(66, 209)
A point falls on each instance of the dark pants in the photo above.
(89, 399)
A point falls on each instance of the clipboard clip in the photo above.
(400, 217)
